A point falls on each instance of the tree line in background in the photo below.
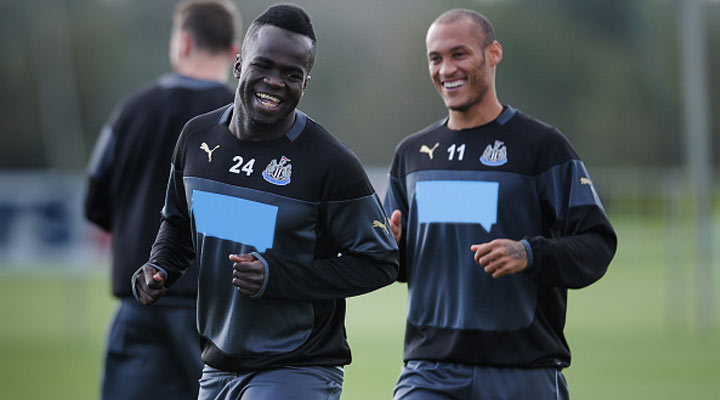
(605, 72)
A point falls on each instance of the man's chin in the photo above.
(459, 108)
(262, 122)
(464, 107)
(268, 121)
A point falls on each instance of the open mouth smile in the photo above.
(453, 83)
(267, 101)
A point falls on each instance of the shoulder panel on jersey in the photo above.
(360, 225)
(566, 186)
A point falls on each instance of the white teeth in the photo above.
(265, 96)
(453, 84)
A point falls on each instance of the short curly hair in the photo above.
(286, 16)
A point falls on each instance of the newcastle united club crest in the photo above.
(494, 155)
(278, 173)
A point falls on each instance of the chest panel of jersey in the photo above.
(460, 194)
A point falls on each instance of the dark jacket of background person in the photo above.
(153, 352)
(130, 167)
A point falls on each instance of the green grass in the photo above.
(628, 340)
(52, 335)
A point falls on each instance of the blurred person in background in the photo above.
(283, 221)
(496, 217)
(154, 353)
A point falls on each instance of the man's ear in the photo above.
(237, 66)
(494, 52)
(186, 44)
(307, 79)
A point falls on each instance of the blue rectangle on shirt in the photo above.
(457, 202)
(231, 218)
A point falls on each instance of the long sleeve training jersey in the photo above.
(513, 178)
(304, 206)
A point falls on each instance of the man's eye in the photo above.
(294, 77)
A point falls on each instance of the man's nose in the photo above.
(447, 68)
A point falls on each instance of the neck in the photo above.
(205, 68)
(478, 115)
(246, 129)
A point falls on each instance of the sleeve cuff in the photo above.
(267, 275)
(528, 250)
(165, 274)
(133, 278)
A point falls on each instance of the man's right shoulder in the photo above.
(200, 126)
(206, 120)
(411, 140)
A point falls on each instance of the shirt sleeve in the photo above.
(357, 227)
(98, 196)
(582, 241)
(173, 249)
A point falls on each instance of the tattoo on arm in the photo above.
(517, 251)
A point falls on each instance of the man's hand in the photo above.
(150, 285)
(501, 257)
(396, 225)
(248, 273)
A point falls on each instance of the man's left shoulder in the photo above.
(529, 125)
(325, 145)
(344, 173)
(538, 133)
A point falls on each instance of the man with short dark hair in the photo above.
(153, 353)
(284, 224)
(496, 217)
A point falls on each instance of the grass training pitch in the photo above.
(628, 340)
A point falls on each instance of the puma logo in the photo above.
(378, 224)
(204, 146)
(585, 181)
(429, 151)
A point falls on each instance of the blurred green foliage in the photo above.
(604, 72)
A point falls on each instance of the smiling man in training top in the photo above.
(282, 219)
